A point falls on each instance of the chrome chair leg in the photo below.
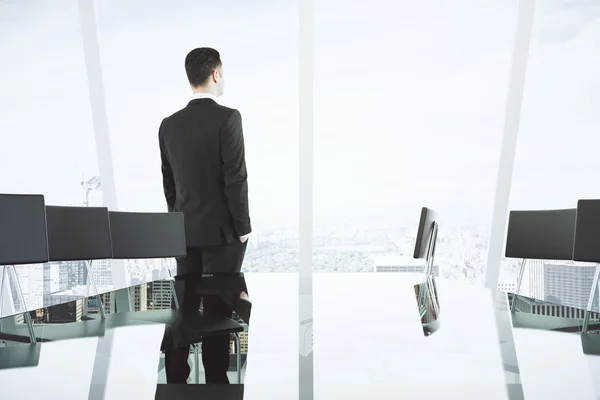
(3, 288)
(586, 318)
(196, 363)
(9, 323)
(518, 288)
(11, 269)
(88, 267)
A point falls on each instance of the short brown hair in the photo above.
(200, 64)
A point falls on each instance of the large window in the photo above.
(410, 99)
(409, 113)
(143, 51)
(556, 161)
(409, 108)
(47, 137)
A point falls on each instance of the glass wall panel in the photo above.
(556, 161)
(409, 113)
(143, 46)
(409, 102)
(46, 132)
(556, 164)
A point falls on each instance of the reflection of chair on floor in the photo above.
(538, 235)
(426, 292)
(586, 248)
(228, 286)
(184, 331)
(162, 235)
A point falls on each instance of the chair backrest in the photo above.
(424, 232)
(147, 235)
(541, 234)
(78, 233)
(587, 231)
(23, 238)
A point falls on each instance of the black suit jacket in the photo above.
(204, 172)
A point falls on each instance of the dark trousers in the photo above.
(224, 259)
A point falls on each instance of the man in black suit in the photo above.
(205, 178)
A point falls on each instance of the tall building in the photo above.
(77, 274)
(244, 342)
(102, 272)
(108, 301)
(63, 278)
(565, 283)
(31, 283)
(52, 275)
(139, 297)
(161, 294)
(569, 285)
(535, 270)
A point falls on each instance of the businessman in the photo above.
(205, 178)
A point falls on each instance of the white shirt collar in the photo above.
(196, 96)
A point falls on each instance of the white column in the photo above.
(93, 65)
(514, 99)
(306, 132)
(91, 50)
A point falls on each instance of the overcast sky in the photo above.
(409, 102)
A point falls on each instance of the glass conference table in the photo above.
(368, 342)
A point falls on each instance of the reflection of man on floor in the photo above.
(204, 177)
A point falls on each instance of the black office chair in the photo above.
(23, 240)
(147, 235)
(74, 234)
(586, 247)
(80, 234)
(162, 235)
(539, 235)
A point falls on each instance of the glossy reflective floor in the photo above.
(368, 343)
